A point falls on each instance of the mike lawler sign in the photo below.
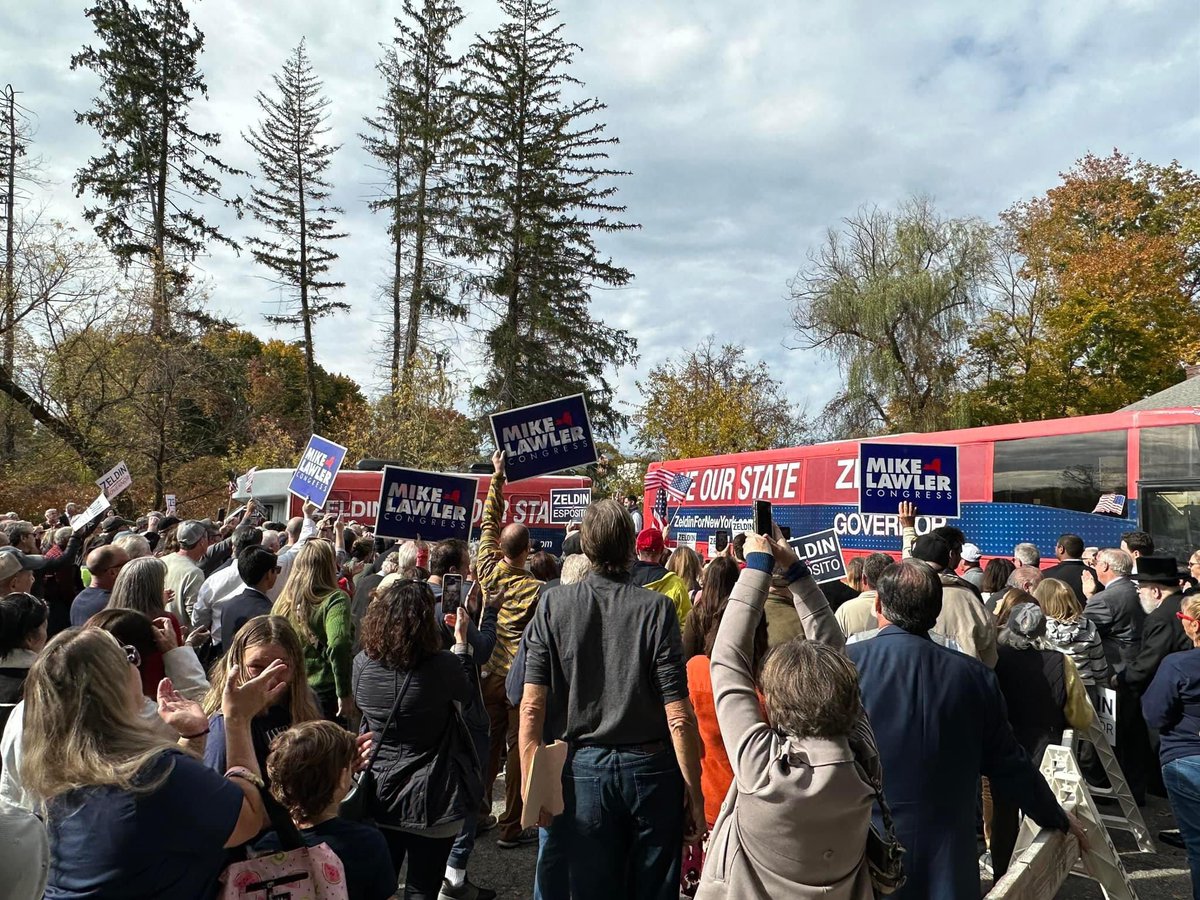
(429, 505)
(313, 478)
(926, 475)
(544, 438)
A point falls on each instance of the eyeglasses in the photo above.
(1186, 618)
(1194, 563)
(131, 654)
(277, 569)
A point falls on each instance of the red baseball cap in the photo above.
(650, 540)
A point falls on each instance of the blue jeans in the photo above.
(465, 842)
(1182, 780)
(550, 879)
(621, 831)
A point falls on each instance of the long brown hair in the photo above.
(686, 563)
(719, 579)
(81, 725)
(257, 632)
(313, 577)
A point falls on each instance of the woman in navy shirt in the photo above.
(1172, 705)
(129, 813)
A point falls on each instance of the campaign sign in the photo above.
(170, 499)
(431, 506)
(318, 466)
(115, 480)
(823, 552)
(95, 510)
(924, 474)
(567, 504)
(544, 438)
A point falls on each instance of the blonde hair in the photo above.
(574, 568)
(1057, 600)
(140, 585)
(257, 632)
(1191, 606)
(686, 563)
(82, 727)
(312, 579)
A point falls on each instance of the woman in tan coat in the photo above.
(796, 819)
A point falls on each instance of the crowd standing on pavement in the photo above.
(181, 700)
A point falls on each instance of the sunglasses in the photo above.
(131, 654)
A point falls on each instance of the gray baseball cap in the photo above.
(190, 533)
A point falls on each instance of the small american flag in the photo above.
(660, 508)
(248, 479)
(676, 486)
(1110, 505)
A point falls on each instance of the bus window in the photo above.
(1068, 471)
(1172, 515)
(1169, 452)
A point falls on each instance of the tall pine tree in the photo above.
(417, 138)
(541, 190)
(154, 165)
(291, 203)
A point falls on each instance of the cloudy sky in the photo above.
(749, 130)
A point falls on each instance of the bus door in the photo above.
(1170, 512)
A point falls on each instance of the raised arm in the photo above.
(489, 553)
(749, 741)
(816, 618)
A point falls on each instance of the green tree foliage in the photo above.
(291, 203)
(417, 138)
(154, 165)
(713, 401)
(1094, 304)
(891, 296)
(540, 192)
(418, 425)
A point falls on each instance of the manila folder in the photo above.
(543, 785)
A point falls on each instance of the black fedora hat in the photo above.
(1156, 570)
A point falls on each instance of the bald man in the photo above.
(104, 564)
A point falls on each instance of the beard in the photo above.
(1148, 606)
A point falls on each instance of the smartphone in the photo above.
(221, 514)
(762, 517)
(722, 541)
(786, 531)
(452, 593)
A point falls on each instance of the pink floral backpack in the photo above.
(297, 872)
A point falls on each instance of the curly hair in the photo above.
(305, 764)
(399, 629)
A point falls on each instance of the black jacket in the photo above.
(1118, 617)
(1071, 571)
(237, 611)
(426, 772)
(1162, 633)
(645, 573)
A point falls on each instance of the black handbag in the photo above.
(884, 852)
(356, 806)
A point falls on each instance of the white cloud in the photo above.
(749, 130)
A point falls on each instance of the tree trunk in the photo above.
(416, 293)
(397, 276)
(310, 374)
(8, 314)
(160, 320)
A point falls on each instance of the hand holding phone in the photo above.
(762, 517)
(451, 591)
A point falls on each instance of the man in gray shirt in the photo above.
(604, 671)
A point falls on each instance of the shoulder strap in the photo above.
(387, 724)
(289, 835)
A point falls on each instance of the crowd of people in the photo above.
(181, 700)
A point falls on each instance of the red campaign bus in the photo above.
(1030, 481)
(355, 495)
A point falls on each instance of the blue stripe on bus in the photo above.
(995, 527)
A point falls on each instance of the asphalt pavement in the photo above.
(1162, 875)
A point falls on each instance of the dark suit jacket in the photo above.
(237, 611)
(1162, 633)
(1118, 616)
(940, 722)
(362, 598)
(1071, 571)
